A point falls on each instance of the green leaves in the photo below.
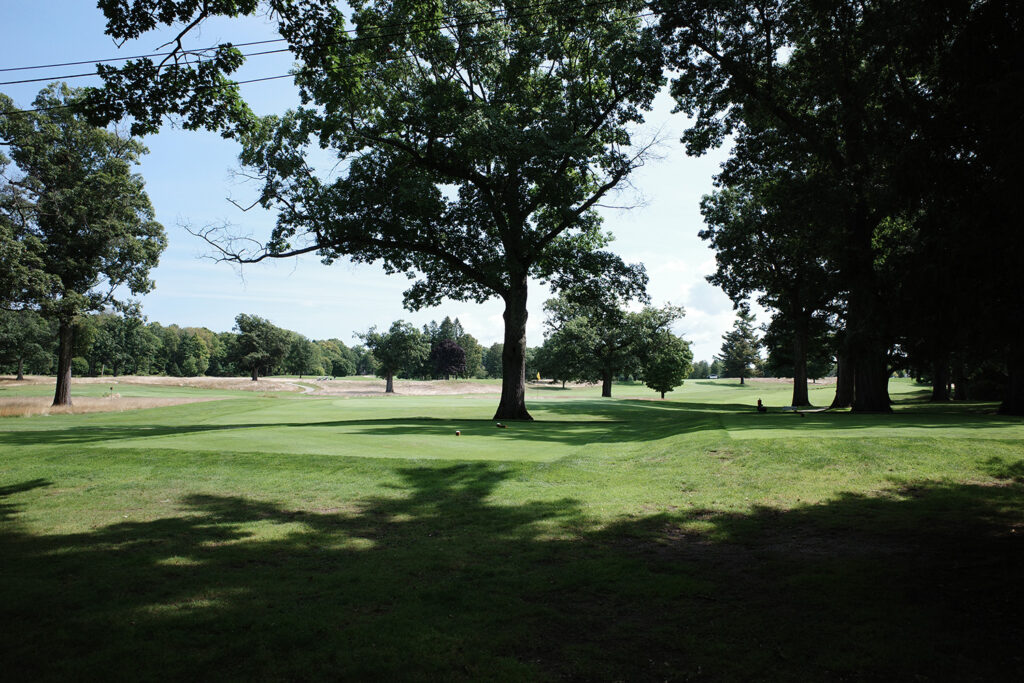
(78, 222)
(401, 347)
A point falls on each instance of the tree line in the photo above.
(113, 344)
(868, 199)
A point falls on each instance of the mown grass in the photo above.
(317, 538)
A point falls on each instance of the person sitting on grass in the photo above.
(761, 408)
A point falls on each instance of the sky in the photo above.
(190, 176)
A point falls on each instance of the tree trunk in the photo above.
(940, 379)
(869, 356)
(389, 386)
(21, 366)
(741, 379)
(959, 382)
(1013, 403)
(663, 396)
(800, 397)
(66, 342)
(513, 356)
(255, 374)
(844, 382)
(606, 384)
(866, 344)
(871, 384)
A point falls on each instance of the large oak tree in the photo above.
(81, 217)
(474, 138)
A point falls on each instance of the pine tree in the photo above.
(740, 347)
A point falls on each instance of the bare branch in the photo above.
(243, 208)
(179, 48)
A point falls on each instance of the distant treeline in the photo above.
(114, 344)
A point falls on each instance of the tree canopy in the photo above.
(740, 348)
(401, 347)
(898, 111)
(448, 358)
(598, 339)
(81, 218)
(261, 344)
(475, 138)
(667, 362)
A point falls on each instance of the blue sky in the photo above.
(189, 178)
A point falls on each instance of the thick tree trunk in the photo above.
(663, 396)
(255, 374)
(866, 345)
(869, 356)
(871, 384)
(66, 343)
(21, 367)
(741, 379)
(844, 382)
(800, 397)
(513, 357)
(959, 382)
(606, 384)
(389, 386)
(940, 379)
(1013, 403)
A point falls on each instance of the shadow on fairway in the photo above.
(438, 582)
(7, 510)
(586, 422)
(574, 422)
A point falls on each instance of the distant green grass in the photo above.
(275, 537)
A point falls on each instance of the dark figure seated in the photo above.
(761, 408)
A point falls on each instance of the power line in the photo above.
(281, 40)
(198, 51)
(125, 59)
(405, 54)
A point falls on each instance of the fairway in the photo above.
(290, 536)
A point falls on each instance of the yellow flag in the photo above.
(538, 376)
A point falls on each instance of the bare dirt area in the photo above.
(370, 386)
(309, 386)
(228, 383)
(788, 380)
(21, 407)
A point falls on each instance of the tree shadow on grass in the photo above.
(584, 423)
(572, 421)
(6, 509)
(438, 581)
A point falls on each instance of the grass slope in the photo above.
(309, 538)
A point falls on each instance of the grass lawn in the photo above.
(283, 536)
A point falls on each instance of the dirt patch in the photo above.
(228, 383)
(824, 381)
(375, 387)
(21, 407)
(312, 386)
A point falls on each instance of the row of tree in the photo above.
(868, 200)
(110, 343)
